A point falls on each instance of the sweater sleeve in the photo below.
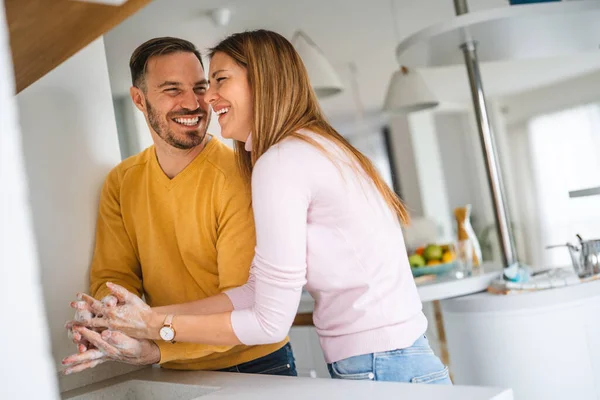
(243, 296)
(115, 258)
(266, 306)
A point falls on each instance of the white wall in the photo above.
(430, 173)
(453, 143)
(26, 370)
(568, 93)
(143, 137)
(70, 143)
(406, 168)
(134, 135)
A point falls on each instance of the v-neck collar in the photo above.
(169, 183)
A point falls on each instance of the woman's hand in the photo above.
(131, 315)
(110, 346)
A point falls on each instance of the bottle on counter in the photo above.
(465, 232)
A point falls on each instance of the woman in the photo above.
(325, 220)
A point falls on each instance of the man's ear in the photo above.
(138, 98)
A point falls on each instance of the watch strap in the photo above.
(169, 320)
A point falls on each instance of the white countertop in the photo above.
(441, 288)
(446, 287)
(223, 386)
(487, 302)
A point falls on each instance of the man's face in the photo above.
(173, 95)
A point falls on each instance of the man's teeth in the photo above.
(222, 111)
(187, 121)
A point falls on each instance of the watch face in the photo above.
(167, 333)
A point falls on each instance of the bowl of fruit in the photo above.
(433, 259)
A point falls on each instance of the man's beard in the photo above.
(190, 139)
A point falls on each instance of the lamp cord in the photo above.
(394, 22)
(355, 92)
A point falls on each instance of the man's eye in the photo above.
(201, 89)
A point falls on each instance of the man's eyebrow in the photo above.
(203, 82)
(216, 72)
(169, 83)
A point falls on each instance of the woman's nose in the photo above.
(210, 96)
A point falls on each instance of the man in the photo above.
(174, 222)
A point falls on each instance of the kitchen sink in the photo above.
(145, 390)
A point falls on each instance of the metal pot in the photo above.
(585, 258)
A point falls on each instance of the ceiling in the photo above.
(348, 31)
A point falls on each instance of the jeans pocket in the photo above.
(410, 351)
(276, 370)
(360, 376)
(433, 378)
(353, 368)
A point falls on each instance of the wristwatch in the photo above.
(167, 332)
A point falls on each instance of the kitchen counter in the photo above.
(440, 288)
(223, 386)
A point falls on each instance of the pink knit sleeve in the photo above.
(280, 199)
(243, 296)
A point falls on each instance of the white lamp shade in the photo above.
(323, 78)
(408, 92)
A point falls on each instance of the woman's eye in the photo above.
(220, 79)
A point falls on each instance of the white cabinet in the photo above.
(310, 361)
(545, 345)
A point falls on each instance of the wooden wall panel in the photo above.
(45, 33)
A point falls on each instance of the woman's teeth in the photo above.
(187, 121)
(222, 111)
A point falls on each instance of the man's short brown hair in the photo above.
(157, 47)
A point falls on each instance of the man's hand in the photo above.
(110, 346)
(84, 313)
(131, 315)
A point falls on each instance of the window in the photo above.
(375, 146)
(565, 156)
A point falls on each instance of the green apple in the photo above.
(416, 261)
(433, 252)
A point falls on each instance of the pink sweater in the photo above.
(321, 225)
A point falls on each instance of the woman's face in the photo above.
(230, 97)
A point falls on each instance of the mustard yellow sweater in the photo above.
(178, 240)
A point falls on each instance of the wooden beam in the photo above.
(303, 319)
(45, 33)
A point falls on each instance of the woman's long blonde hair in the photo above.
(284, 103)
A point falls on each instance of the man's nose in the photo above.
(190, 101)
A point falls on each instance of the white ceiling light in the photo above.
(323, 78)
(220, 16)
(408, 92)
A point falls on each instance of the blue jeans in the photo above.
(280, 362)
(414, 364)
